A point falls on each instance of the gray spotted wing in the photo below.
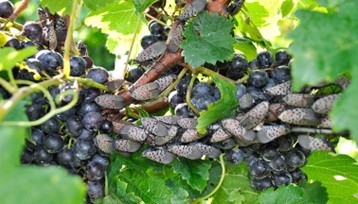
(324, 104)
(192, 9)
(186, 151)
(164, 82)
(299, 100)
(220, 135)
(154, 126)
(175, 37)
(254, 116)
(271, 132)
(152, 51)
(110, 101)
(190, 135)
(133, 133)
(123, 145)
(313, 144)
(146, 92)
(299, 116)
(280, 89)
(187, 123)
(160, 155)
(105, 143)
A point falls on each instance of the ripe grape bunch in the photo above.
(270, 130)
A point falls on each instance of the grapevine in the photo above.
(204, 105)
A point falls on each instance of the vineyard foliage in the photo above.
(322, 37)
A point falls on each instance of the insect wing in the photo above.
(123, 145)
(160, 155)
(110, 101)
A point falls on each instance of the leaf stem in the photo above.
(188, 95)
(15, 25)
(155, 19)
(222, 164)
(6, 85)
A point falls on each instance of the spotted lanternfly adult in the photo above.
(247, 139)
(152, 51)
(133, 133)
(190, 135)
(172, 132)
(343, 82)
(271, 132)
(50, 35)
(187, 123)
(254, 116)
(299, 116)
(241, 135)
(192, 9)
(123, 145)
(314, 144)
(326, 122)
(186, 151)
(280, 89)
(175, 36)
(60, 27)
(246, 101)
(220, 135)
(43, 16)
(115, 84)
(110, 101)
(154, 126)
(146, 92)
(324, 104)
(207, 150)
(275, 109)
(164, 82)
(168, 119)
(299, 100)
(160, 155)
(105, 143)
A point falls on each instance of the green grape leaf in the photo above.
(247, 47)
(287, 7)
(62, 7)
(208, 39)
(95, 4)
(329, 3)
(9, 56)
(196, 173)
(320, 52)
(257, 12)
(141, 5)
(236, 187)
(337, 173)
(223, 108)
(292, 194)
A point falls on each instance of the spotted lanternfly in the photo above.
(146, 92)
(115, 84)
(254, 116)
(105, 143)
(314, 144)
(207, 150)
(60, 27)
(172, 132)
(247, 139)
(152, 51)
(187, 123)
(343, 82)
(110, 101)
(280, 89)
(299, 100)
(175, 36)
(154, 126)
(220, 135)
(164, 82)
(133, 133)
(241, 135)
(123, 145)
(50, 35)
(168, 119)
(186, 151)
(275, 110)
(299, 116)
(160, 155)
(271, 132)
(192, 9)
(326, 122)
(190, 135)
(324, 104)
(246, 101)
(43, 16)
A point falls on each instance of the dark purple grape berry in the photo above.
(259, 168)
(65, 157)
(88, 106)
(295, 159)
(262, 184)
(74, 125)
(35, 64)
(175, 98)
(237, 67)
(95, 190)
(256, 93)
(64, 116)
(6, 9)
(51, 61)
(51, 125)
(78, 66)
(98, 74)
(134, 73)
(282, 178)
(269, 153)
(278, 164)
(53, 143)
(264, 60)
(37, 136)
(106, 127)
(202, 89)
(84, 149)
(285, 144)
(240, 90)
(282, 58)
(156, 28)
(281, 74)
(26, 157)
(258, 79)
(32, 31)
(298, 176)
(235, 156)
(14, 43)
(92, 121)
(41, 157)
(35, 111)
(94, 171)
(86, 135)
(183, 110)
(101, 160)
(148, 40)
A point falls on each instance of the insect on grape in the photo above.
(280, 89)
(146, 92)
(299, 100)
(241, 135)
(105, 143)
(50, 35)
(326, 122)
(154, 126)
(299, 116)
(314, 144)
(160, 155)
(186, 151)
(152, 51)
(110, 101)
(324, 104)
(220, 135)
(246, 101)
(192, 9)
(172, 132)
(60, 27)
(168, 119)
(123, 145)
(253, 117)
(175, 36)
(133, 133)
(190, 135)
(187, 123)
(271, 132)
(164, 82)
(115, 84)
(207, 150)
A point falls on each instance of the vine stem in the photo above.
(155, 19)
(88, 82)
(188, 95)
(6, 85)
(15, 25)
(222, 164)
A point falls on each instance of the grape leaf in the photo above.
(208, 39)
(236, 186)
(286, 7)
(309, 193)
(141, 5)
(95, 4)
(9, 56)
(196, 173)
(258, 13)
(62, 7)
(223, 108)
(337, 173)
(247, 47)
